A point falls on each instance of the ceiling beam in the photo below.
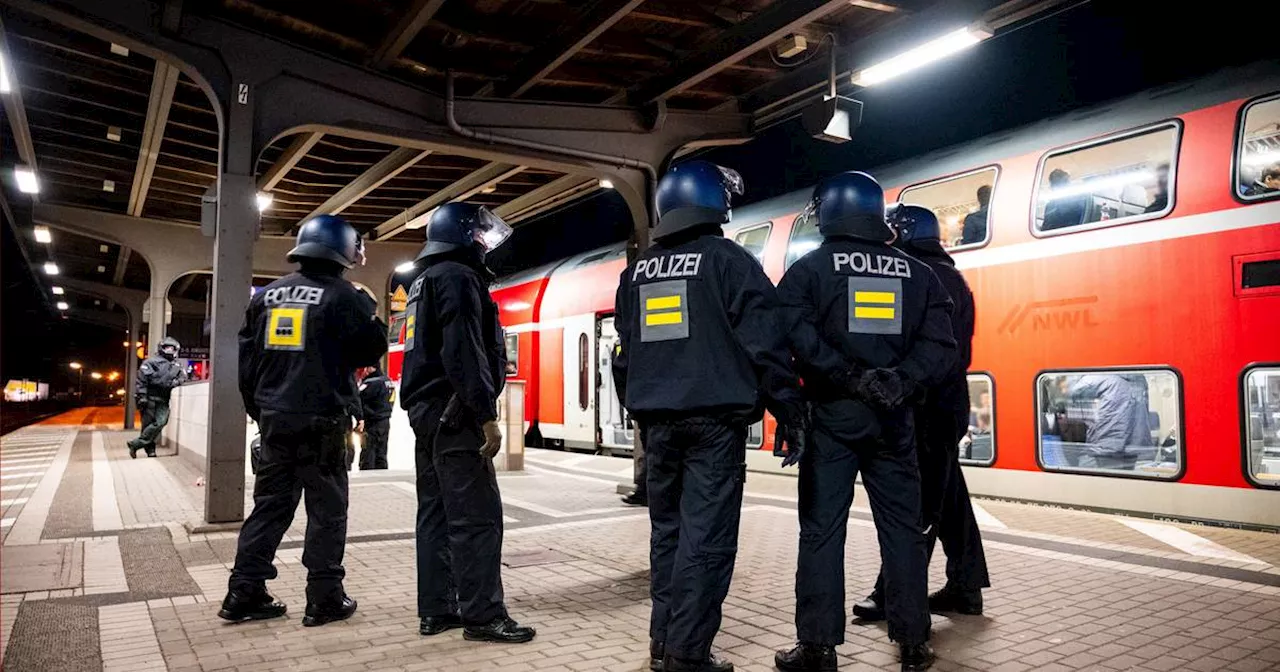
(413, 21)
(598, 17)
(298, 148)
(378, 174)
(164, 80)
(15, 111)
(475, 182)
(758, 32)
(512, 209)
(122, 262)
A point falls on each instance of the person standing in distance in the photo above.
(870, 328)
(941, 422)
(377, 399)
(303, 338)
(157, 377)
(454, 368)
(702, 356)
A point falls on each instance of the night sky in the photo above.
(1087, 55)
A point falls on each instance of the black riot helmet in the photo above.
(329, 238)
(914, 224)
(169, 348)
(458, 226)
(850, 204)
(693, 194)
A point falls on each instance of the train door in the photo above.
(615, 427)
(580, 382)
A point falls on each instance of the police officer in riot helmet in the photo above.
(157, 376)
(941, 422)
(454, 368)
(702, 356)
(303, 338)
(870, 329)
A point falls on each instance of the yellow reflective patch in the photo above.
(867, 312)
(659, 319)
(662, 302)
(873, 297)
(285, 327)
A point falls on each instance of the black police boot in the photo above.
(656, 651)
(434, 625)
(636, 499)
(502, 630)
(805, 657)
(869, 610)
(239, 606)
(951, 600)
(916, 657)
(712, 663)
(328, 613)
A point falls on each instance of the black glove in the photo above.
(791, 438)
(885, 388)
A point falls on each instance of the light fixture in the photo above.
(489, 189)
(75, 365)
(264, 201)
(50, 268)
(5, 85)
(58, 291)
(109, 186)
(26, 178)
(102, 269)
(62, 305)
(95, 375)
(126, 344)
(927, 53)
(103, 249)
(120, 392)
(137, 344)
(405, 267)
(605, 184)
(114, 133)
(43, 235)
(119, 49)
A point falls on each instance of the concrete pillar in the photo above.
(131, 364)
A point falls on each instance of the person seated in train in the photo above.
(1159, 190)
(1268, 182)
(1119, 429)
(974, 229)
(1064, 211)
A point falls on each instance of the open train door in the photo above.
(580, 382)
(615, 426)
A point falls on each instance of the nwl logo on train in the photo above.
(1055, 315)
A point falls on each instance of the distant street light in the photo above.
(75, 365)
(79, 368)
(95, 375)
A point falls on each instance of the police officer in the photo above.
(157, 377)
(377, 397)
(941, 422)
(870, 328)
(303, 338)
(454, 368)
(702, 355)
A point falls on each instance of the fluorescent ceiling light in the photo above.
(606, 184)
(921, 56)
(58, 291)
(489, 189)
(103, 249)
(50, 268)
(62, 305)
(113, 133)
(43, 235)
(26, 178)
(119, 49)
(5, 85)
(109, 186)
(264, 201)
(102, 269)
(405, 267)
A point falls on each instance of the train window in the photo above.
(978, 447)
(584, 373)
(754, 238)
(1258, 157)
(1120, 179)
(1118, 422)
(396, 326)
(804, 238)
(961, 204)
(1261, 396)
(513, 354)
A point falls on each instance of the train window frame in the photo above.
(1237, 155)
(1175, 124)
(1070, 471)
(1243, 410)
(513, 363)
(991, 380)
(787, 261)
(584, 372)
(767, 226)
(957, 176)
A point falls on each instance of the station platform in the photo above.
(100, 572)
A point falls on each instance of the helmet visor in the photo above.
(490, 231)
(732, 181)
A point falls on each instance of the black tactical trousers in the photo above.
(155, 415)
(841, 445)
(947, 511)
(459, 527)
(696, 470)
(300, 454)
(373, 454)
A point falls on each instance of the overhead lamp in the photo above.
(50, 268)
(114, 133)
(95, 375)
(5, 84)
(102, 269)
(489, 189)
(605, 184)
(26, 178)
(62, 305)
(405, 267)
(119, 49)
(104, 249)
(934, 50)
(58, 291)
(109, 186)
(42, 234)
(75, 365)
(264, 201)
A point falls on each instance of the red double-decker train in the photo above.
(1126, 266)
